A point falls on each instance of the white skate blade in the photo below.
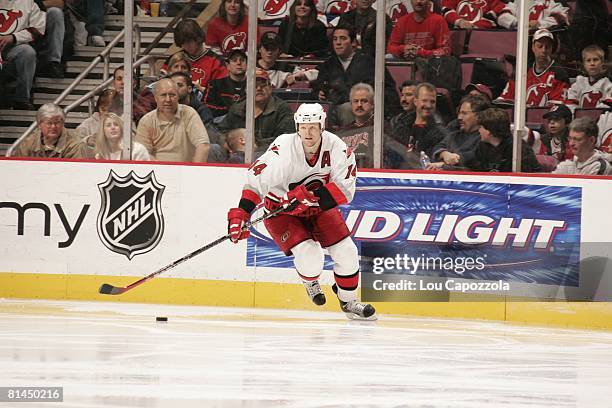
(353, 316)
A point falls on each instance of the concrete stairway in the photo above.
(14, 122)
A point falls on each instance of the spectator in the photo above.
(235, 144)
(224, 92)
(186, 97)
(108, 144)
(272, 115)
(344, 69)
(230, 28)
(90, 127)
(95, 22)
(480, 90)
(421, 33)
(205, 64)
(92, 12)
(494, 151)
(546, 81)
(458, 147)
(583, 133)
(359, 134)
(24, 23)
(50, 56)
(269, 51)
(595, 89)
(303, 35)
(52, 139)
(604, 142)
(542, 14)
(407, 94)
(556, 140)
(419, 132)
(363, 19)
(470, 14)
(590, 24)
(145, 101)
(172, 132)
(118, 75)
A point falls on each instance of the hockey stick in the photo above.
(107, 289)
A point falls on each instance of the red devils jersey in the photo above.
(273, 9)
(482, 13)
(547, 13)
(396, 9)
(431, 35)
(284, 166)
(205, 67)
(543, 89)
(584, 94)
(335, 7)
(223, 36)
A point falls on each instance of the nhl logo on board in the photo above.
(130, 221)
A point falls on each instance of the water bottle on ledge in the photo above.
(425, 161)
(163, 8)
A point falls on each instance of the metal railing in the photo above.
(104, 56)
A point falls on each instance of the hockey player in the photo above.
(309, 173)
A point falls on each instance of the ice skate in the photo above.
(315, 293)
(356, 310)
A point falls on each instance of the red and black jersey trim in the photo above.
(249, 201)
(329, 196)
(349, 282)
(308, 278)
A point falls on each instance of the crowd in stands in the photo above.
(324, 51)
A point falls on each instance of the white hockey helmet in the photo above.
(310, 113)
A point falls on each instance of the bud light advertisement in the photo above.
(456, 229)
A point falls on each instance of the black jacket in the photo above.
(337, 83)
(419, 138)
(499, 158)
(463, 144)
(303, 41)
(223, 93)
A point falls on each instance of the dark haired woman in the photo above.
(302, 34)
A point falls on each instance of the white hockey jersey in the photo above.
(547, 13)
(284, 166)
(583, 94)
(23, 19)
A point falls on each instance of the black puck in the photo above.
(161, 319)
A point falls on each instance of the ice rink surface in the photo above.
(117, 355)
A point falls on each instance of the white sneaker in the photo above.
(314, 292)
(97, 41)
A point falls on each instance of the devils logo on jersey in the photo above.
(397, 10)
(338, 7)
(235, 40)
(471, 10)
(590, 99)
(276, 8)
(537, 95)
(8, 21)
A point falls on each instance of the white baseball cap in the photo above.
(543, 33)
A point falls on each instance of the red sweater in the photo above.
(224, 36)
(431, 35)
